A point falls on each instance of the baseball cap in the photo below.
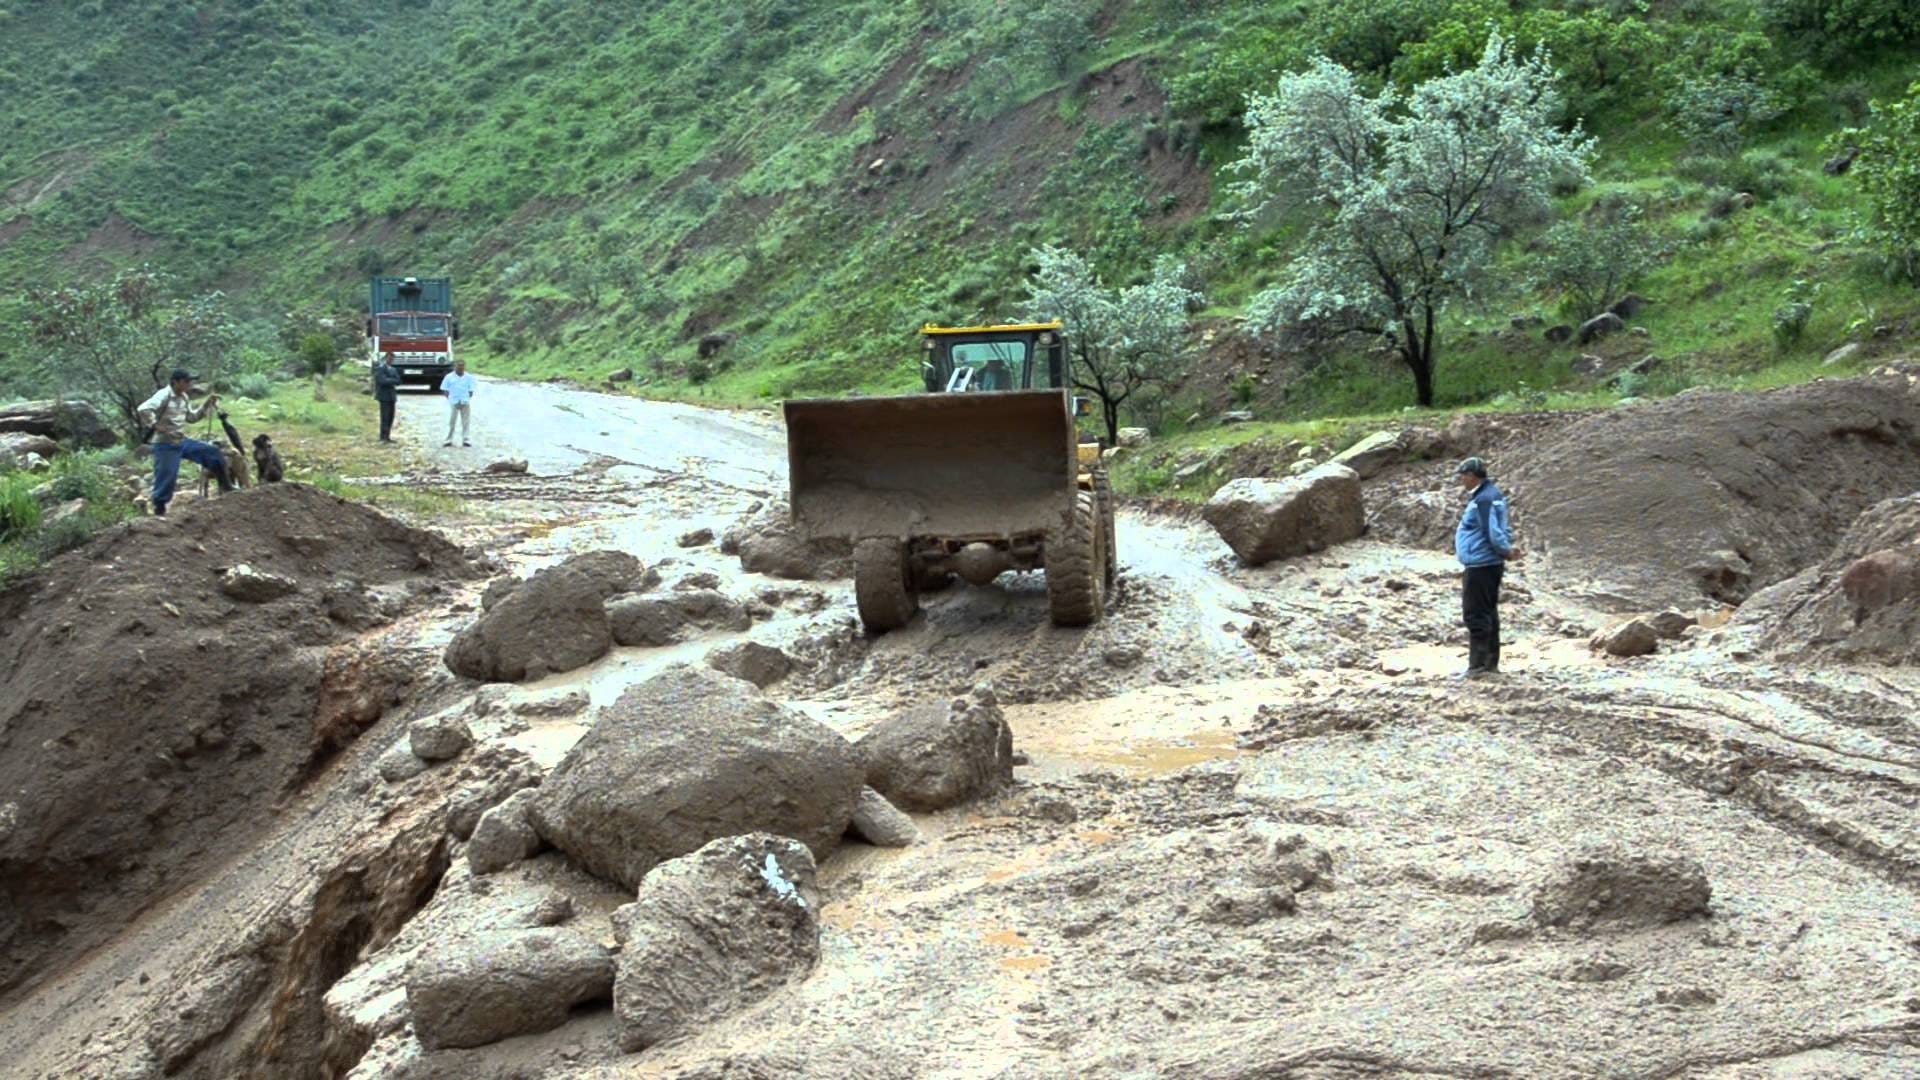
(1472, 465)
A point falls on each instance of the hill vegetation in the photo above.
(805, 183)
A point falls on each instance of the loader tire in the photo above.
(883, 585)
(1076, 575)
(1103, 503)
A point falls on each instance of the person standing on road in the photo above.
(168, 412)
(459, 390)
(386, 390)
(1483, 543)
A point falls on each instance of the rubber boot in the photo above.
(226, 483)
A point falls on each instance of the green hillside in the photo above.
(608, 183)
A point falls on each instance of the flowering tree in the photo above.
(1119, 341)
(1413, 195)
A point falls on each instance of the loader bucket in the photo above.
(941, 465)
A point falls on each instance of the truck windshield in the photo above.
(990, 365)
(429, 327)
(411, 326)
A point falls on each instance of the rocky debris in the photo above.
(766, 543)
(762, 665)
(1421, 519)
(700, 537)
(74, 421)
(197, 715)
(492, 776)
(1608, 887)
(1131, 437)
(508, 466)
(1699, 475)
(504, 835)
(1599, 326)
(881, 823)
(399, 764)
(1264, 520)
(664, 620)
(711, 932)
(688, 756)
(251, 586)
(1861, 603)
(490, 986)
(439, 737)
(1634, 637)
(552, 622)
(931, 757)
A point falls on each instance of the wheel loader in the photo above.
(981, 474)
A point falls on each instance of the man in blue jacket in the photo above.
(1483, 543)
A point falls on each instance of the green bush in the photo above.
(79, 476)
(318, 354)
(19, 510)
(253, 385)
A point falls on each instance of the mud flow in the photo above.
(1256, 826)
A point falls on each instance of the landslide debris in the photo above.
(1714, 494)
(148, 718)
(1862, 603)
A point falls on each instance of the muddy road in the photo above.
(1225, 728)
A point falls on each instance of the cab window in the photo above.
(991, 365)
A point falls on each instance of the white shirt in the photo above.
(457, 387)
(168, 414)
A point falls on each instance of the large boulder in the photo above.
(17, 448)
(479, 989)
(1598, 327)
(1375, 452)
(1264, 520)
(711, 932)
(554, 621)
(688, 756)
(934, 756)
(766, 542)
(74, 421)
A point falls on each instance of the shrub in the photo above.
(1714, 113)
(1790, 318)
(699, 371)
(253, 385)
(318, 354)
(19, 510)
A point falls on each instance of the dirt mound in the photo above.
(1862, 603)
(1715, 494)
(146, 714)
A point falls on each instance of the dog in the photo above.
(267, 460)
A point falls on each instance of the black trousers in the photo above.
(1480, 606)
(386, 420)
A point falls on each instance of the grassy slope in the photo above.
(608, 182)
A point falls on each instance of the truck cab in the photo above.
(413, 318)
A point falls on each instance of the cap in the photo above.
(1472, 465)
(181, 373)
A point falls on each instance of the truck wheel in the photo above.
(1076, 575)
(1103, 503)
(883, 584)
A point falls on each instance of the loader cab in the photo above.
(986, 359)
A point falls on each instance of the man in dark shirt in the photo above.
(386, 390)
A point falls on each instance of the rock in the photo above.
(692, 582)
(1635, 637)
(248, 585)
(1629, 305)
(399, 764)
(700, 537)
(881, 823)
(1839, 164)
(711, 932)
(1526, 322)
(931, 757)
(1598, 327)
(1373, 453)
(1236, 416)
(1264, 520)
(1670, 624)
(1646, 365)
(439, 737)
(502, 772)
(1639, 331)
(761, 665)
(504, 835)
(1559, 335)
(1122, 656)
(1609, 887)
(1302, 467)
(1134, 436)
(17, 447)
(614, 572)
(1190, 471)
(1881, 579)
(688, 756)
(72, 508)
(565, 703)
(767, 544)
(552, 622)
(33, 463)
(1844, 354)
(491, 985)
(75, 421)
(497, 590)
(625, 374)
(663, 620)
(1589, 365)
(516, 466)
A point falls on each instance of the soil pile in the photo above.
(1714, 494)
(147, 713)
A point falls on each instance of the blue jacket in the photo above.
(1483, 538)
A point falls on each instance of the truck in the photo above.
(413, 318)
(982, 473)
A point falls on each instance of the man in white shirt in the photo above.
(168, 412)
(459, 390)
